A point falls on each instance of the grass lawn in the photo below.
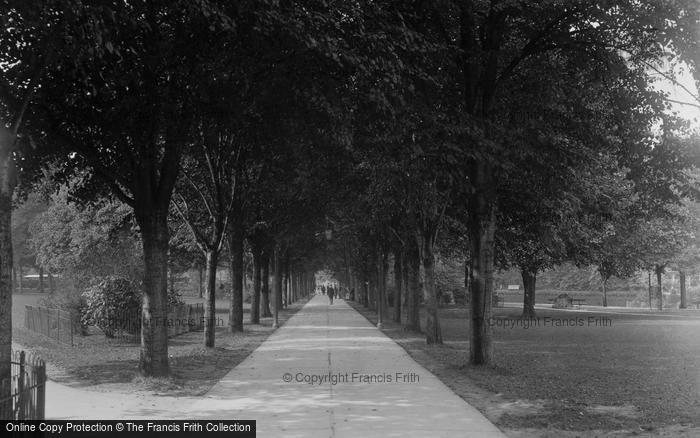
(112, 365)
(639, 375)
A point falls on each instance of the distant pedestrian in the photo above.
(331, 293)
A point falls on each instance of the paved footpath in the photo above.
(379, 390)
(334, 342)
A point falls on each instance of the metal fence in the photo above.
(185, 318)
(60, 326)
(180, 319)
(54, 323)
(26, 389)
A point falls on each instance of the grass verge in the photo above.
(637, 377)
(102, 364)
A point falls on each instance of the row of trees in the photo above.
(171, 107)
(498, 131)
(539, 139)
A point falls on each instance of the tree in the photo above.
(493, 47)
(86, 242)
(26, 210)
(205, 199)
(17, 92)
(115, 99)
(688, 259)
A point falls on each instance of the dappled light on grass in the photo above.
(650, 361)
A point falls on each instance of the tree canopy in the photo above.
(346, 135)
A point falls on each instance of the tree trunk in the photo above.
(257, 278)
(684, 298)
(285, 288)
(372, 297)
(650, 297)
(212, 260)
(413, 288)
(529, 279)
(52, 282)
(467, 282)
(482, 227)
(276, 286)
(153, 359)
(20, 278)
(200, 270)
(297, 285)
(381, 290)
(433, 333)
(365, 293)
(605, 292)
(41, 280)
(292, 285)
(246, 283)
(265, 302)
(286, 284)
(7, 186)
(398, 281)
(235, 241)
(404, 298)
(659, 294)
(300, 285)
(384, 285)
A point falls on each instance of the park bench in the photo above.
(573, 301)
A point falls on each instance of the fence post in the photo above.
(5, 411)
(21, 397)
(40, 390)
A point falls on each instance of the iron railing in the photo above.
(23, 395)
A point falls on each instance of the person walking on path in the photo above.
(331, 293)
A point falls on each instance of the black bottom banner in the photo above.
(126, 428)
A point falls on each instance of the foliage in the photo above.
(84, 242)
(22, 218)
(113, 304)
(533, 128)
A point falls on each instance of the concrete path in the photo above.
(326, 373)
(329, 373)
(70, 403)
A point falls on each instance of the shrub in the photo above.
(174, 298)
(113, 305)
